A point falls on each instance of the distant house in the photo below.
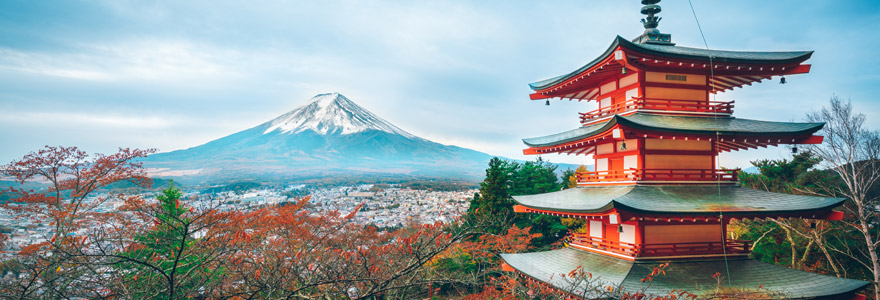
(362, 195)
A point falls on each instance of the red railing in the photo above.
(585, 240)
(657, 175)
(606, 176)
(699, 248)
(731, 246)
(689, 175)
(713, 107)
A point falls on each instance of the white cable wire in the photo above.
(717, 134)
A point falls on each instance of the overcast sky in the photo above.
(172, 75)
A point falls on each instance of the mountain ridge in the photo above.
(328, 135)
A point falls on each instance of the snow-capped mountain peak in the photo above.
(331, 113)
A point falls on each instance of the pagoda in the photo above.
(657, 193)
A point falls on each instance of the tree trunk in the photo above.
(872, 251)
(821, 245)
(792, 245)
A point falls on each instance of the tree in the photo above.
(570, 176)
(69, 205)
(570, 180)
(505, 178)
(791, 240)
(289, 252)
(494, 197)
(851, 151)
(174, 259)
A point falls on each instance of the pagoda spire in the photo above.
(650, 9)
(652, 35)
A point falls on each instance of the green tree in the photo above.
(797, 243)
(493, 200)
(795, 176)
(506, 178)
(569, 176)
(169, 261)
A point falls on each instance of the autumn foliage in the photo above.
(166, 246)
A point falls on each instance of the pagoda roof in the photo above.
(677, 200)
(727, 126)
(694, 276)
(686, 53)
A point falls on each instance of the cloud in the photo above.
(154, 60)
(71, 119)
(179, 73)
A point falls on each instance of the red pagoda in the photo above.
(657, 193)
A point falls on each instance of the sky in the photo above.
(175, 74)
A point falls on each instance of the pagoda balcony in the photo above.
(660, 105)
(671, 175)
(730, 246)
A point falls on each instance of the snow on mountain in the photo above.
(331, 113)
(329, 136)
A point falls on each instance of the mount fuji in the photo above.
(329, 136)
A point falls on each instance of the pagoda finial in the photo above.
(651, 8)
(652, 35)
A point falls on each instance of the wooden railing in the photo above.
(699, 248)
(607, 176)
(731, 246)
(689, 174)
(710, 107)
(657, 175)
(585, 240)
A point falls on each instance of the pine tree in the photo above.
(166, 262)
(493, 200)
(505, 178)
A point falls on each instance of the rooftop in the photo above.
(725, 126)
(678, 200)
(692, 275)
(684, 53)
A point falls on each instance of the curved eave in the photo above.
(726, 126)
(719, 56)
(693, 54)
(818, 212)
(546, 83)
(679, 201)
(763, 128)
(679, 275)
(571, 135)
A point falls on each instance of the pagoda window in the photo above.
(630, 162)
(608, 87)
(690, 145)
(596, 229)
(665, 93)
(675, 78)
(633, 93)
(606, 102)
(678, 162)
(605, 148)
(629, 234)
(629, 80)
(602, 164)
(669, 234)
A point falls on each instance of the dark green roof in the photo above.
(728, 126)
(691, 275)
(677, 200)
(671, 51)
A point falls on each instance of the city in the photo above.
(384, 206)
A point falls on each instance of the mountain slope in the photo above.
(330, 135)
